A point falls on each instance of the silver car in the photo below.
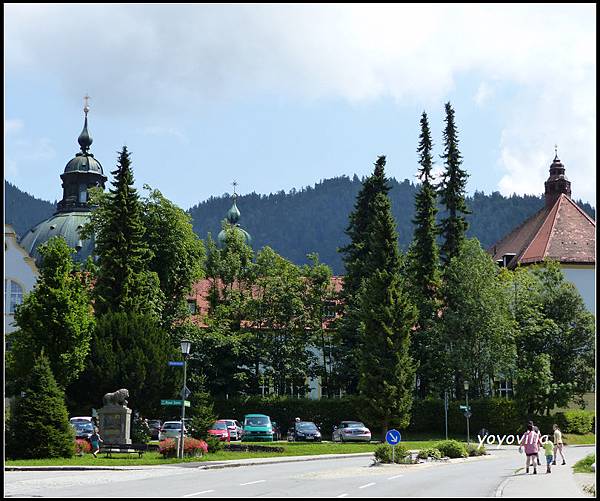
(235, 428)
(171, 429)
(351, 431)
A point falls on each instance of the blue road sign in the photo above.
(393, 437)
(175, 364)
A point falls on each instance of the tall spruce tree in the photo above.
(124, 282)
(56, 317)
(452, 192)
(387, 316)
(356, 257)
(39, 425)
(422, 266)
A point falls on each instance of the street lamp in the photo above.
(467, 413)
(185, 351)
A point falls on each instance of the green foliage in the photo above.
(476, 450)
(384, 454)
(452, 449)
(453, 226)
(39, 426)
(431, 452)
(214, 443)
(202, 412)
(476, 325)
(177, 252)
(585, 465)
(128, 350)
(140, 431)
(56, 317)
(124, 281)
(575, 421)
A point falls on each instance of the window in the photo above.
(82, 193)
(13, 295)
(329, 310)
(192, 307)
(505, 388)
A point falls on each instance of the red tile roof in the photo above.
(562, 232)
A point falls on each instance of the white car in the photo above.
(235, 429)
(171, 429)
(351, 431)
(81, 418)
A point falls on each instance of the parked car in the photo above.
(171, 429)
(81, 418)
(83, 429)
(304, 431)
(154, 425)
(351, 431)
(276, 431)
(235, 428)
(220, 429)
(257, 427)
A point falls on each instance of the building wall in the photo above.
(584, 278)
(19, 268)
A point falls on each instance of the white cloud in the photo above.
(157, 130)
(163, 59)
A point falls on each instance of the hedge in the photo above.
(496, 415)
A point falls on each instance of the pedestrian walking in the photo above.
(95, 440)
(549, 451)
(558, 444)
(530, 442)
(537, 430)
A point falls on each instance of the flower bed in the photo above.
(191, 447)
(82, 447)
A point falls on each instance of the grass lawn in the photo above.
(154, 458)
(587, 439)
(585, 465)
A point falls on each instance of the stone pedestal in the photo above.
(114, 423)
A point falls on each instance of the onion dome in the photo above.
(231, 221)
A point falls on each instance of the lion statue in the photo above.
(116, 398)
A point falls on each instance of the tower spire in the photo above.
(84, 139)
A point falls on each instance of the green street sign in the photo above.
(174, 402)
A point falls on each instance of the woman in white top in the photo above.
(558, 444)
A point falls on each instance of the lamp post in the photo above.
(467, 413)
(185, 351)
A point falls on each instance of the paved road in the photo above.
(352, 477)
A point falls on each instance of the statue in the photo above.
(116, 398)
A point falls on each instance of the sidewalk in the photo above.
(560, 483)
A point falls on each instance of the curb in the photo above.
(71, 468)
(288, 459)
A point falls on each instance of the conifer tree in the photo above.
(39, 425)
(124, 282)
(356, 257)
(423, 262)
(387, 316)
(56, 317)
(452, 192)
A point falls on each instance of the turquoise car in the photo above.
(257, 428)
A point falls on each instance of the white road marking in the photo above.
(395, 476)
(367, 485)
(255, 482)
(342, 495)
(197, 493)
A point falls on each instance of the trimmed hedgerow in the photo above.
(452, 449)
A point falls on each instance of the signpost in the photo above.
(175, 364)
(393, 438)
(175, 402)
(446, 412)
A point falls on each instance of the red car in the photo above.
(220, 429)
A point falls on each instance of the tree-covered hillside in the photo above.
(313, 219)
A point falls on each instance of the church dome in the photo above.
(65, 224)
(231, 221)
(84, 162)
(222, 236)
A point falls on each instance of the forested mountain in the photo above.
(313, 219)
(23, 211)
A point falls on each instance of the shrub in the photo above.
(191, 447)
(214, 443)
(383, 454)
(140, 431)
(431, 452)
(475, 450)
(82, 447)
(452, 449)
(575, 421)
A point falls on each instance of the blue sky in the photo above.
(282, 96)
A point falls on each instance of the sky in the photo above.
(281, 96)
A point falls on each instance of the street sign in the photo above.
(468, 414)
(175, 364)
(393, 437)
(185, 392)
(464, 408)
(174, 402)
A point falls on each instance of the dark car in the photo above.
(154, 425)
(83, 429)
(304, 431)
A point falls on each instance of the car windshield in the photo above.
(219, 426)
(257, 421)
(84, 426)
(306, 426)
(172, 426)
(355, 425)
